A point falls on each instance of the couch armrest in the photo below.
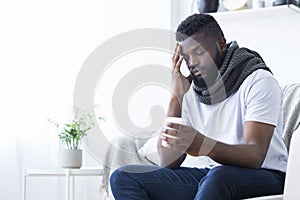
(271, 197)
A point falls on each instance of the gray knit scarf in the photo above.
(238, 64)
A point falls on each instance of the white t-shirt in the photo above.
(259, 98)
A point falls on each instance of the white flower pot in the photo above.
(71, 158)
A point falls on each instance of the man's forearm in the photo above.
(244, 155)
(169, 158)
(174, 109)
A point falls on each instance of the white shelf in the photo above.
(68, 173)
(62, 172)
(260, 12)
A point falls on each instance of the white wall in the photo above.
(182, 9)
(122, 16)
(272, 32)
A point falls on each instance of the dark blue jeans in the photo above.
(142, 182)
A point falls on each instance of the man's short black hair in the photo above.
(203, 23)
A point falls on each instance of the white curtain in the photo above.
(42, 47)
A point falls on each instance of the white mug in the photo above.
(177, 120)
(173, 120)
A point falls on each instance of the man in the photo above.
(233, 106)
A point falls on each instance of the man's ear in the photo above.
(221, 44)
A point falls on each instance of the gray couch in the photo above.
(126, 150)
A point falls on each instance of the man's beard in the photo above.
(211, 74)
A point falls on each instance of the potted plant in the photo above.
(71, 135)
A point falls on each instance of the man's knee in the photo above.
(217, 184)
(119, 176)
(222, 172)
(127, 173)
(116, 177)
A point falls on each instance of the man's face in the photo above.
(203, 57)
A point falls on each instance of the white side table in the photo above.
(68, 173)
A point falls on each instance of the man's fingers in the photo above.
(178, 64)
(171, 136)
(175, 147)
(170, 128)
(176, 51)
(177, 58)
